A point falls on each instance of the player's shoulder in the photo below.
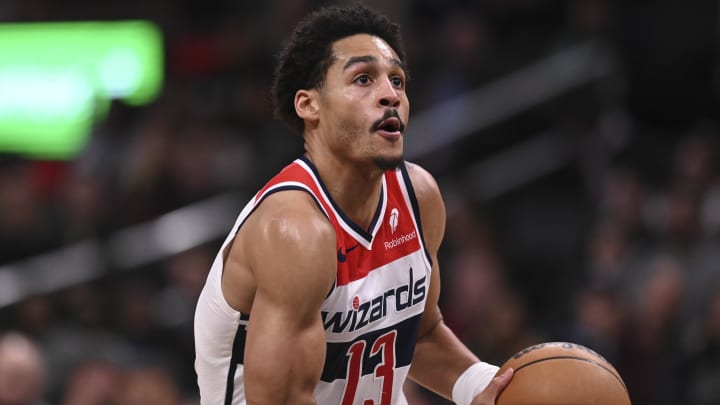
(288, 245)
(292, 215)
(424, 183)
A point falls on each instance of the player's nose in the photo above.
(388, 95)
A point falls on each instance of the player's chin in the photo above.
(389, 162)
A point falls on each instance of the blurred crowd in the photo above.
(644, 290)
(617, 250)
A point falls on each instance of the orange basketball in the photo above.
(562, 373)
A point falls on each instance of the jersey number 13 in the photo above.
(384, 346)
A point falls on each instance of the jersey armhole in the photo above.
(415, 207)
(226, 248)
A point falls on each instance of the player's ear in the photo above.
(306, 105)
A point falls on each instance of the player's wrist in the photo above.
(472, 382)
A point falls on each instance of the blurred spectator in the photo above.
(674, 217)
(148, 387)
(650, 357)
(609, 255)
(93, 383)
(79, 333)
(34, 315)
(174, 307)
(695, 159)
(185, 274)
(22, 371)
(598, 321)
(622, 203)
(695, 169)
(83, 209)
(510, 328)
(144, 175)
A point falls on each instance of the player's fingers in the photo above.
(499, 383)
(491, 392)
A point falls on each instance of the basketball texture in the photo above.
(562, 373)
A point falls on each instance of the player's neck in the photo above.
(356, 189)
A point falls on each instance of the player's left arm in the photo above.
(440, 357)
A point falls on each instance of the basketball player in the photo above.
(326, 289)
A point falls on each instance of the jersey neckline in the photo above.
(363, 236)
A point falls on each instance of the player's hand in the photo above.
(491, 392)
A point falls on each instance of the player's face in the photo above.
(364, 106)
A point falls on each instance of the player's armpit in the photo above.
(293, 262)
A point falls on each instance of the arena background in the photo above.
(575, 142)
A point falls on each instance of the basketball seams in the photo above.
(575, 358)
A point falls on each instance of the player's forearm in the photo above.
(284, 368)
(440, 358)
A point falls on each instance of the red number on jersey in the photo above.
(383, 346)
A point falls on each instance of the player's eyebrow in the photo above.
(370, 59)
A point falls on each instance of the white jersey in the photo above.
(371, 315)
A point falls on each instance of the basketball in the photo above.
(562, 373)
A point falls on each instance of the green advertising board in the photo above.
(57, 79)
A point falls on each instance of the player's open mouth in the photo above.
(391, 126)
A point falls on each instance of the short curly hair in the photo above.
(307, 55)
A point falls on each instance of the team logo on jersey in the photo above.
(400, 240)
(393, 221)
(374, 309)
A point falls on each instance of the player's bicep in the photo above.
(292, 259)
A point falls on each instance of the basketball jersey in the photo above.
(370, 316)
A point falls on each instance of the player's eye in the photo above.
(397, 82)
(362, 79)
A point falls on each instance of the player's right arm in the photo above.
(289, 247)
